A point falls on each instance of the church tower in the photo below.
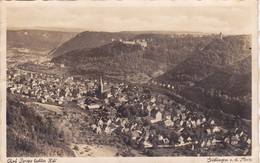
(220, 35)
(101, 87)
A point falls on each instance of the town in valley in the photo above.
(72, 109)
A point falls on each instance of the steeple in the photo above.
(101, 87)
(220, 35)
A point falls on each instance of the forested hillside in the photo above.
(88, 40)
(210, 58)
(217, 76)
(145, 53)
(29, 133)
(173, 49)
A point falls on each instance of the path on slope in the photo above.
(93, 150)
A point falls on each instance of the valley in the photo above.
(129, 94)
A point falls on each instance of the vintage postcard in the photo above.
(129, 81)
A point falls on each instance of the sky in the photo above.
(208, 19)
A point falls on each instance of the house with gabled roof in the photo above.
(183, 116)
(167, 115)
(147, 135)
(203, 144)
(216, 129)
(109, 122)
(98, 130)
(181, 140)
(194, 124)
(168, 123)
(100, 123)
(147, 144)
(135, 134)
(157, 116)
(198, 122)
(107, 130)
(234, 140)
(212, 122)
(227, 140)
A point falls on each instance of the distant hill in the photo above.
(115, 58)
(233, 80)
(106, 51)
(36, 40)
(172, 49)
(207, 60)
(217, 76)
(88, 40)
(144, 53)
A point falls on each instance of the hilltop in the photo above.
(211, 58)
(233, 80)
(93, 39)
(36, 40)
(88, 40)
(218, 75)
(144, 53)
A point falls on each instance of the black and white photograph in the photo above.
(129, 81)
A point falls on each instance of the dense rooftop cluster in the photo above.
(144, 118)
